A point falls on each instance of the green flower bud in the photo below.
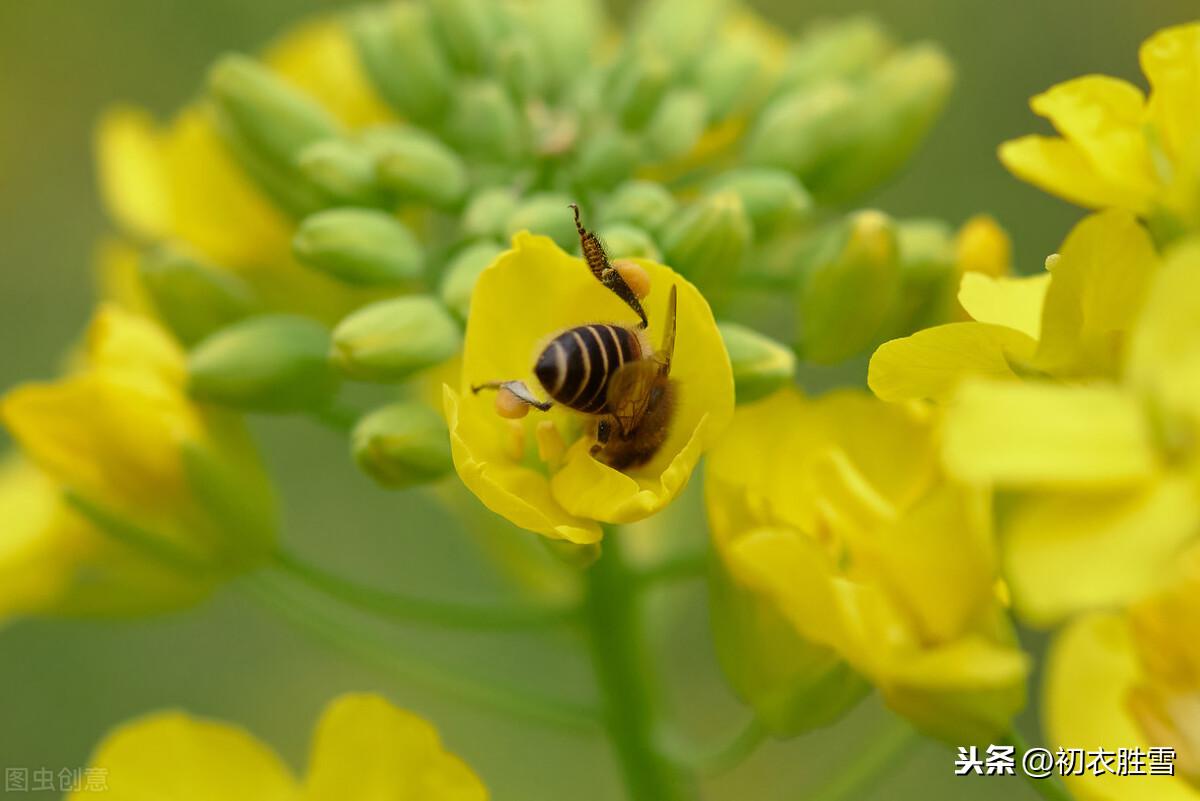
(893, 113)
(679, 29)
(484, 121)
(845, 48)
(927, 276)
(363, 247)
(802, 130)
(606, 158)
(487, 213)
(417, 166)
(520, 68)
(565, 33)
(398, 49)
(392, 339)
(344, 170)
(708, 240)
(849, 287)
(402, 445)
(193, 298)
(730, 76)
(644, 203)
(774, 199)
(269, 363)
(625, 241)
(458, 281)
(545, 213)
(677, 124)
(760, 364)
(467, 29)
(267, 123)
(636, 87)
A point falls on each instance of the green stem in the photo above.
(726, 757)
(676, 568)
(411, 667)
(612, 613)
(878, 758)
(420, 610)
(337, 417)
(1050, 788)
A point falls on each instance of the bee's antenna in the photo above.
(578, 225)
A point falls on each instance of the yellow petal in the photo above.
(130, 157)
(170, 756)
(1037, 434)
(1102, 116)
(1171, 61)
(117, 265)
(1164, 352)
(319, 58)
(1010, 302)
(1061, 168)
(1117, 547)
(931, 363)
(132, 345)
(1097, 289)
(31, 574)
(505, 331)
(365, 748)
(1089, 673)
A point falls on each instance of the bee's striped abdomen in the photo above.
(575, 367)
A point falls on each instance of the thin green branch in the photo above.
(409, 609)
(679, 567)
(876, 760)
(1050, 788)
(723, 758)
(147, 542)
(410, 666)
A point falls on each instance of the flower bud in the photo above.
(398, 49)
(708, 240)
(638, 83)
(417, 166)
(484, 121)
(520, 68)
(606, 158)
(193, 298)
(760, 364)
(802, 129)
(363, 247)
(677, 124)
(269, 363)
(344, 170)
(845, 48)
(625, 241)
(982, 246)
(679, 29)
(644, 203)
(389, 340)
(566, 33)
(267, 123)
(545, 213)
(458, 280)
(773, 198)
(487, 213)
(402, 445)
(467, 29)
(730, 75)
(926, 277)
(891, 116)
(849, 287)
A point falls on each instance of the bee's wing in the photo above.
(663, 357)
(629, 392)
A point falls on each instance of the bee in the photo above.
(609, 372)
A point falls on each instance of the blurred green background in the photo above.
(62, 685)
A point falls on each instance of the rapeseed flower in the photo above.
(834, 512)
(537, 471)
(1119, 148)
(363, 748)
(132, 496)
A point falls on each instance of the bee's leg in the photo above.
(597, 261)
(603, 432)
(519, 390)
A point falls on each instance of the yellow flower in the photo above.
(1108, 471)
(1070, 322)
(1116, 147)
(833, 511)
(140, 498)
(1132, 681)
(541, 477)
(363, 748)
(179, 183)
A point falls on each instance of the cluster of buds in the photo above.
(705, 139)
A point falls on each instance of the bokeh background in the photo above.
(62, 684)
